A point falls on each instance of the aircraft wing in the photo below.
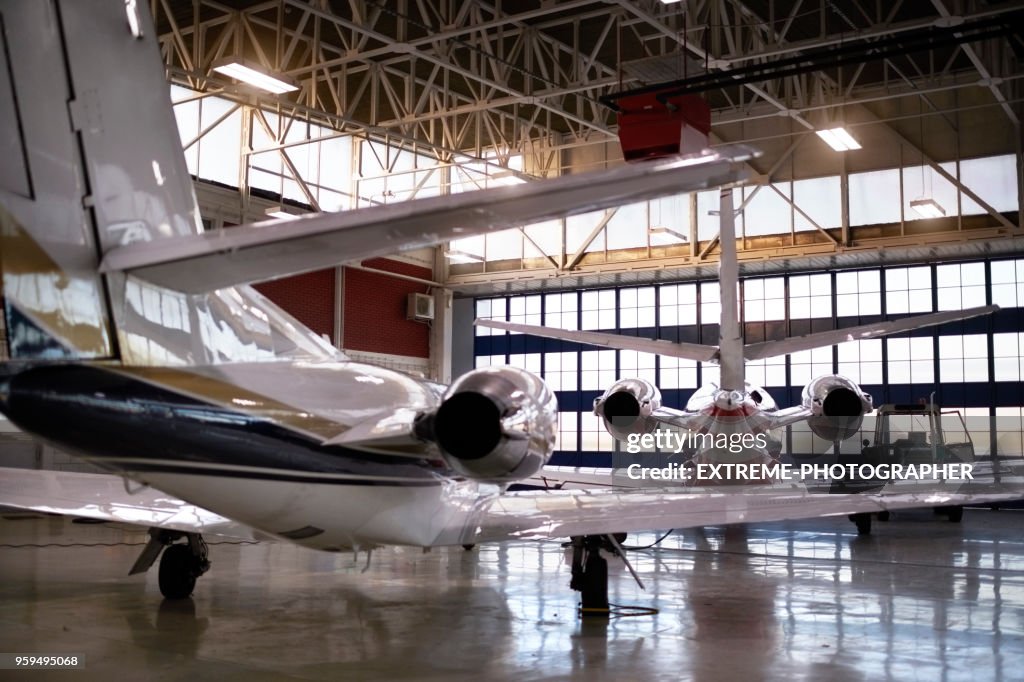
(528, 514)
(768, 349)
(270, 249)
(539, 514)
(106, 497)
(690, 351)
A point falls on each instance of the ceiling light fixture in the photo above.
(668, 232)
(279, 212)
(463, 257)
(928, 207)
(240, 70)
(838, 138)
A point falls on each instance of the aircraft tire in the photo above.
(863, 522)
(177, 576)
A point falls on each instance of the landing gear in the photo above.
(863, 521)
(180, 565)
(590, 576)
(590, 572)
(955, 513)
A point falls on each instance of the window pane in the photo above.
(875, 197)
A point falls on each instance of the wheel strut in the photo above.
(590, 576)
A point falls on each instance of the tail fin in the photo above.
(730, 337)
(91, 161)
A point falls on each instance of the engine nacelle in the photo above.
(495, 424)
(838, 406)
(627, 406)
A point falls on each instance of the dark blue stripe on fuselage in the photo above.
(187, 469)
(105, 415)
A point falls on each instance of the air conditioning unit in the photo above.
(420, 307)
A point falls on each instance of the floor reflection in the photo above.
(921, 598)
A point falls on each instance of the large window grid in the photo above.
(525, 310)
(764, 299)
(1007, 283)
(561, 311)
(597, 369)
(562, 371)
(904, 367)
(960, 285)
(491, 309)
(858, 293)
(810, 296)
(861, 361)
(678, 305)
(767, 371)
(1008, 356)
(637, 307)
(963, 358)
(1009, 431)
(911, 360)
(908, 290)
(678, 373)
(598, 309)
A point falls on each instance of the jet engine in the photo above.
(838, 406)
(627, 406)
(495, 424)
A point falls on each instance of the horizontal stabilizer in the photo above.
(672, 349)
(757, 351)
(276, 248)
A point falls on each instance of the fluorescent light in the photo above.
(668, 232)
(928, 208)
(463, 257)
(247, 74)
(839, 139)
(131, 7)
(278, 212)
(670, 2)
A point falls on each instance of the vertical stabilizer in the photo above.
(54, 301)
(92, 161)
(730, 339)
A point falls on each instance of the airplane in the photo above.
(136, 343)
(832, 405)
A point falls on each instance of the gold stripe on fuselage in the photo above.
(68, 306)
(192, 381)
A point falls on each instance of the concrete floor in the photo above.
(922, 599)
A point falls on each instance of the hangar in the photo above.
(888, 183)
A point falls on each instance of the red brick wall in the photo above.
(375, 307)
(308, 297)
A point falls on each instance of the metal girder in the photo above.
(692, 47)
(336, 49)
(986, 76)
(472, 74)
(582, 251)
(895, 135)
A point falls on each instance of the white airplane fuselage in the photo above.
(249, 440)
